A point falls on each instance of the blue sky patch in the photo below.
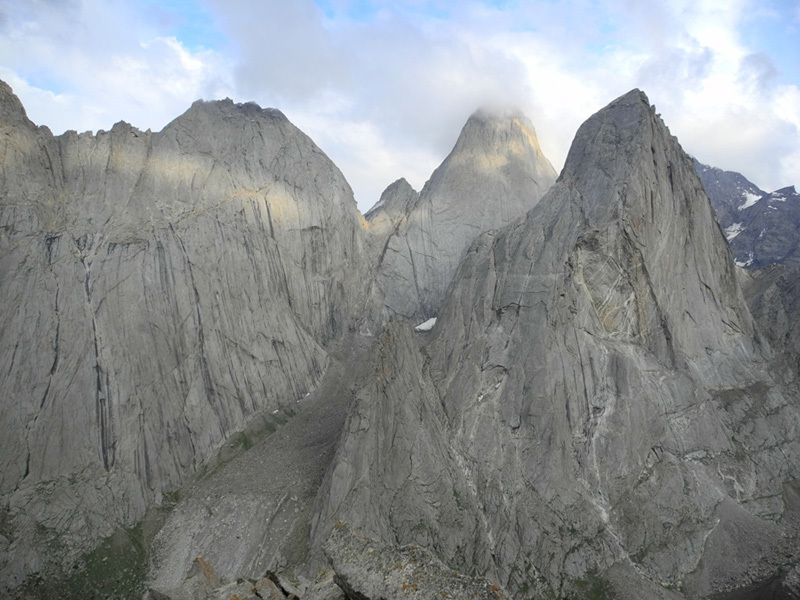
(775, 29)
(189, 21)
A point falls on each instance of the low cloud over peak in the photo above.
(384, 88)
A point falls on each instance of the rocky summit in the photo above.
(212, 386)
(495, 173)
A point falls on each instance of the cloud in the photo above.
(281, 47)
(722, 97)
(87, 64)
(409, 85)
(384, 87)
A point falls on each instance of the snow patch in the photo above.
(749, 200)
(426, 326)
(732, 231)
(776, 197)
(746, 263)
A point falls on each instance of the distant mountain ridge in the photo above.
(730, 192)
(769, 231)
(762, 228)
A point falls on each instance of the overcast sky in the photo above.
(384, 87)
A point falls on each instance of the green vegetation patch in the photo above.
(115, 570)
(592, 587)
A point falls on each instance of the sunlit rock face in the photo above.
(494, 174)
(159, 289)
(596, 407)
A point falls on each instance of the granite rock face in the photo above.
(392, 210)
(395, 476)
(611, 414)
(773, 295)
(254, 513)
(494, 174)
(158, 291)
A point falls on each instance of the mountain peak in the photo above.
(634, 95)
(619, 269)
(394, 200)
(11, 109)
(495, 173)
(229, 108)
(618, 143)
(493, 130)
(611, 130)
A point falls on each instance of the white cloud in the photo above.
(722, 98)
(88, 64)
(385, 91)
(364, 156)
(410, 86)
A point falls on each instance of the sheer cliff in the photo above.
(497, 156)
(159, 291)
(773, 295)
(610, 411)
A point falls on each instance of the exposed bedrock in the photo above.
(596, 404)
(159, 290)
(495, 173)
